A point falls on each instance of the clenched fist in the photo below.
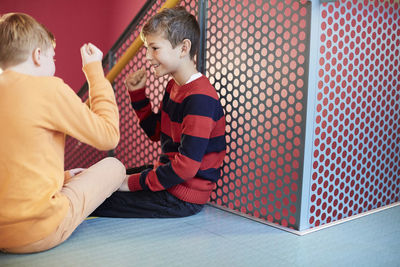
(136, 80)
(90, 53)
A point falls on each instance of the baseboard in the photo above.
(310, 230)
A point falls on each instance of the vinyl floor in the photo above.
(218, 238)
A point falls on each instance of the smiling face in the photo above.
(164, 59)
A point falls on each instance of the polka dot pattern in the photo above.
(256, 53)
(80, 155)
(135, 148)
(357, 128)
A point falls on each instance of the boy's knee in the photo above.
(114, 163)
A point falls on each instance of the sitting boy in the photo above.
(41, 205)
(190, 125)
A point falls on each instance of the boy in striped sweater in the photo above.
(190, 125)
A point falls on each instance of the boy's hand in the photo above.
(136, 80)
(90, 53)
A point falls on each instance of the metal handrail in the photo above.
(133, 48)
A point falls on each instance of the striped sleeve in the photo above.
(148, 120)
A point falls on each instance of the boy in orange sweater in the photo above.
(41, 205)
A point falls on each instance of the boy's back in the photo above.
(27, 145)
(41, 205)
(35, 115)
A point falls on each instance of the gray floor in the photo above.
(218, 238)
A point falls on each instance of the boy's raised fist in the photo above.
(136, 80)
(90, 53)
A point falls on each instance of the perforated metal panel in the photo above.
(257, 59)
(80, 155)
(357, 128)
(135, 148)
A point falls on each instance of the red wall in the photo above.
(74, 22)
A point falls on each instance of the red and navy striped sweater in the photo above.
(191, 127)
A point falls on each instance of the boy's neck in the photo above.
(25, 67)
(183, 74)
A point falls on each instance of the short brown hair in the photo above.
(176, 24)
(19, 35)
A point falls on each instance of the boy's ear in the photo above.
(36, 54)
(186, 46)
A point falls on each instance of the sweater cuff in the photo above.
(134, 182)
(67, 176)
(137, 95)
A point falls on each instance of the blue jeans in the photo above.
(145, 204)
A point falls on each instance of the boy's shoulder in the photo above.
(49, 81)
(46, 86)
(200, 86)
(31, 80)
(203, 86)
(49, 84)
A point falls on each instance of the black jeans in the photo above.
(145, 204)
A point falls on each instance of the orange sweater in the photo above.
(35, 115)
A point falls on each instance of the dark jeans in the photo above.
(145, 204)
